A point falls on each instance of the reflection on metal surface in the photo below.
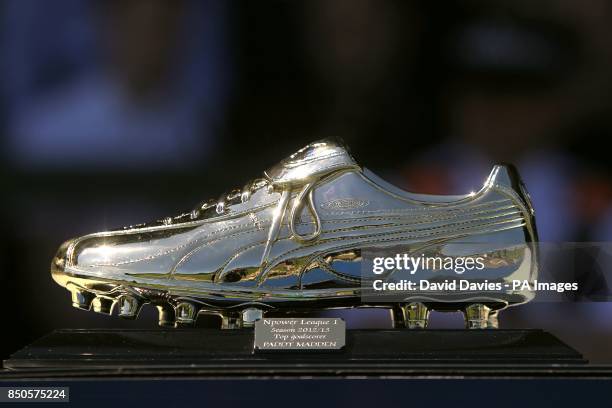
(477, 316)
(412, 316)
(293, 241)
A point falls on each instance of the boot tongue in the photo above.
(310, 163)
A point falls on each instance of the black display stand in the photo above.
(211, 352)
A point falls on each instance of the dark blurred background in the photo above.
(117, 112)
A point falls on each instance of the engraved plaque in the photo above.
(300, 334)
